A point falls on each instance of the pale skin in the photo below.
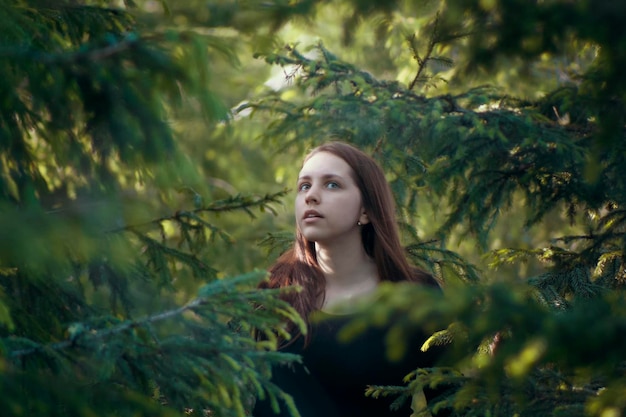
(328, 212)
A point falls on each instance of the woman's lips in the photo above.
(311, 216)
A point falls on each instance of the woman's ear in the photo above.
(363, 219)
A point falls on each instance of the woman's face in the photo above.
(328, 203)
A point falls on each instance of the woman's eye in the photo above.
(303, 187)
(332, 184)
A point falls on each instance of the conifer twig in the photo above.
(229, 204)
(93, 55)
(205, 294)
(114, 330)
(422, 62)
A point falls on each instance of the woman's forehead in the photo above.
(325, 163)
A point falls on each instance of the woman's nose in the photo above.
(312, 196)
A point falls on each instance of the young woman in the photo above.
(346, 244)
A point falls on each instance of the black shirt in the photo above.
(334, 375)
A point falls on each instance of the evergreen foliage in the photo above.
(109, 301)
(535, 345)
(116, 224)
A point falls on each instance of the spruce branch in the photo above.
(95, 53)
(234, 203)
(129, 42)
(80, 331)
(422, 62)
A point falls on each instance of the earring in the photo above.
(358, 223)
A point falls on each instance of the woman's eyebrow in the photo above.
(324, 177)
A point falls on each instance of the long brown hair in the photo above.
(299, 267)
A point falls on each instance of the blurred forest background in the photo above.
(148, 152)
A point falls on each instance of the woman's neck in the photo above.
(345, 267)
(350, 273)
